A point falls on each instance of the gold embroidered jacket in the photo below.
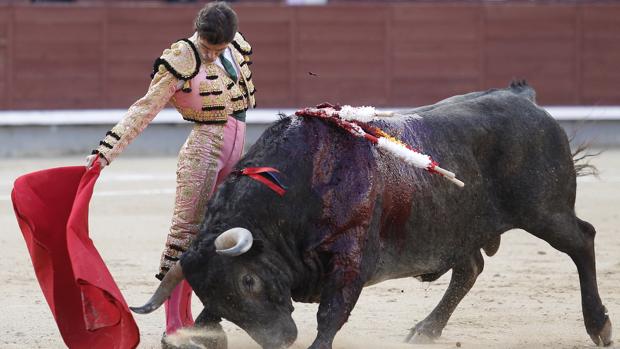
(208, 94)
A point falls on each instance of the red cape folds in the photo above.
(52, 210)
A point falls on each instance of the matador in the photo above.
(207, 78)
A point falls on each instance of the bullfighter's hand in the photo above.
(94, 157)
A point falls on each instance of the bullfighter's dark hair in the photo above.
(217, 23)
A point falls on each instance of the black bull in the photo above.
(354, 216)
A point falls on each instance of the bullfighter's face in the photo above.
(249, 291)
(209, 51)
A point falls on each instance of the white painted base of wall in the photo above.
(71, 132)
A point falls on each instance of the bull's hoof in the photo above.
(603, 338)
(424, 332)
(211, 341)
(195, 339)
(419, 338)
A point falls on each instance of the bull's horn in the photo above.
(173, 277)
(234, 242)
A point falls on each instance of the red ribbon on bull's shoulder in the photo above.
(266, 176)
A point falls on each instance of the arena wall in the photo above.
(98, 55)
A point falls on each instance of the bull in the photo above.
(354, 216)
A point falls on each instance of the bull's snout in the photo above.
(289, 337)
(280, 337)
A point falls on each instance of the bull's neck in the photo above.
(302, 273)
(307, 288)
(289, 261)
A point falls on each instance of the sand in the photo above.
(527, 297)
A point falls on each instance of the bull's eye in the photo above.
(248, 283)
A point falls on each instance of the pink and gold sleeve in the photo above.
(138, 116)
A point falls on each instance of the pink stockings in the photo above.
(179, 308)
(208, 156)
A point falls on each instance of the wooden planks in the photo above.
(270, 31)
(601, 55)
(134, 37)
(345, 46)
(56, 57)
(5, 30)
(435, 52)
(100, 55)
(534, 42)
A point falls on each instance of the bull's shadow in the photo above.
(354, 216)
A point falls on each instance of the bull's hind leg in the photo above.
(575, 237)
(464, 276)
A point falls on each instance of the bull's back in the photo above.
(510, 153)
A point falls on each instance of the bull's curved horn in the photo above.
(234, 242)
(173, 277)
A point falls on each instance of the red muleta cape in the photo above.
(52, 211)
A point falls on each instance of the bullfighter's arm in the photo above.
(342, 289)
(138, 116)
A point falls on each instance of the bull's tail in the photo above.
(521, 88)
(581, 160)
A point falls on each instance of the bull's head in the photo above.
(239, 283)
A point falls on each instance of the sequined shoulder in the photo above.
(181, 59)
(242, 45)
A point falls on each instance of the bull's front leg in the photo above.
(340, 292)
(211, 334)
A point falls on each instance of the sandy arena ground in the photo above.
(527, 296)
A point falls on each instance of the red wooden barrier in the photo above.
(99, 54)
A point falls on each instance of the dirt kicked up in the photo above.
(527, 296)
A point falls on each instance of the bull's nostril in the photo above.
(289, 342)
(290, 336)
